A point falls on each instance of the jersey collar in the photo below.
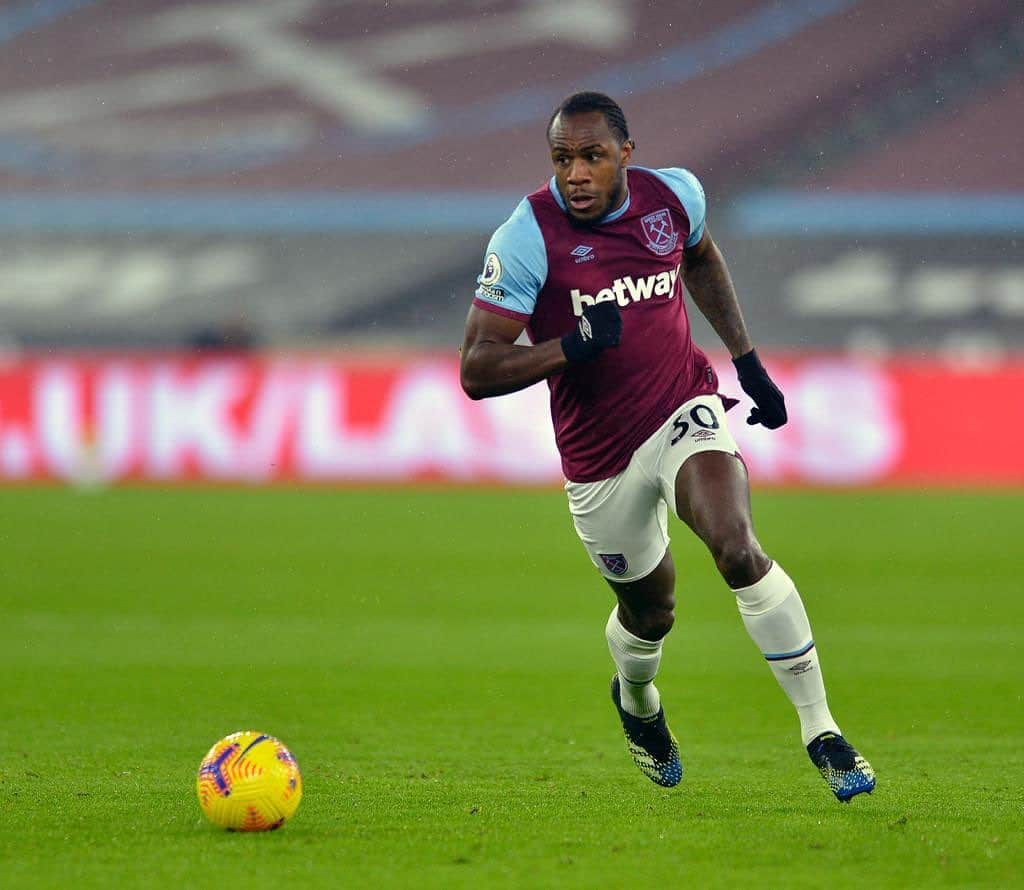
(607, 218)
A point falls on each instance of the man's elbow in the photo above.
(474, 391)
(472, 386)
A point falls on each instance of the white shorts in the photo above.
(623, 521)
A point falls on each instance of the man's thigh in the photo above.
(622, 522)
(696, 427)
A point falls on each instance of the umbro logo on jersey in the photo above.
(580, 250)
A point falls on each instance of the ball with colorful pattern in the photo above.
(249, 781)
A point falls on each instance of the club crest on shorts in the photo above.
(615, 562)
(660, 233)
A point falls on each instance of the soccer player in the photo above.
(592, 265)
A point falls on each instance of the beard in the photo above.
(615, 197)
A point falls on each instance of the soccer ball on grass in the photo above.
(249, 781)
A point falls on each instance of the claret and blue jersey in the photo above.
(544, 269)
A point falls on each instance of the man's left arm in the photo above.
(710, 285)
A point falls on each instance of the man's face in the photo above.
(590, 165)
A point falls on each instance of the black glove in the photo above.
(771, 406)
(600, 327)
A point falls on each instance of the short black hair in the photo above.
(581, 103)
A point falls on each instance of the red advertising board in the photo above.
(274, 419)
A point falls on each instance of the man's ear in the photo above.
(627, 151)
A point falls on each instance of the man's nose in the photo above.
(578, 172)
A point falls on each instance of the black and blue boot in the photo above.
(846, 772)
(654, 748)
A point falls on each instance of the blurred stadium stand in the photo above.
(300, 173)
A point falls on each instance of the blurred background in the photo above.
(238, 240)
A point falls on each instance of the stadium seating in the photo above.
(350, 161)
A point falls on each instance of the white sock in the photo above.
(774, 616)
(637, 661)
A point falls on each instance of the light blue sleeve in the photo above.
(516, 264)
(690, 193)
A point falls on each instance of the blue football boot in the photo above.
(846, 772)
(654, 748)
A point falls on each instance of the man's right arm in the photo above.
(514, 273)
(493, 365)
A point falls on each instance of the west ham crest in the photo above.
(614, 562)
(660, 233)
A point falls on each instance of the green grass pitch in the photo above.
(436, 661)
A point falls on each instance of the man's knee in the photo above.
(646, 605)
(650, 617)
(739, 557)
(653, 623)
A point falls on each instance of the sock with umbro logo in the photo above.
(774, 616)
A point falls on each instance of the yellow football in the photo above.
(249, 781)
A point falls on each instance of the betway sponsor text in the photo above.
(625, 291)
